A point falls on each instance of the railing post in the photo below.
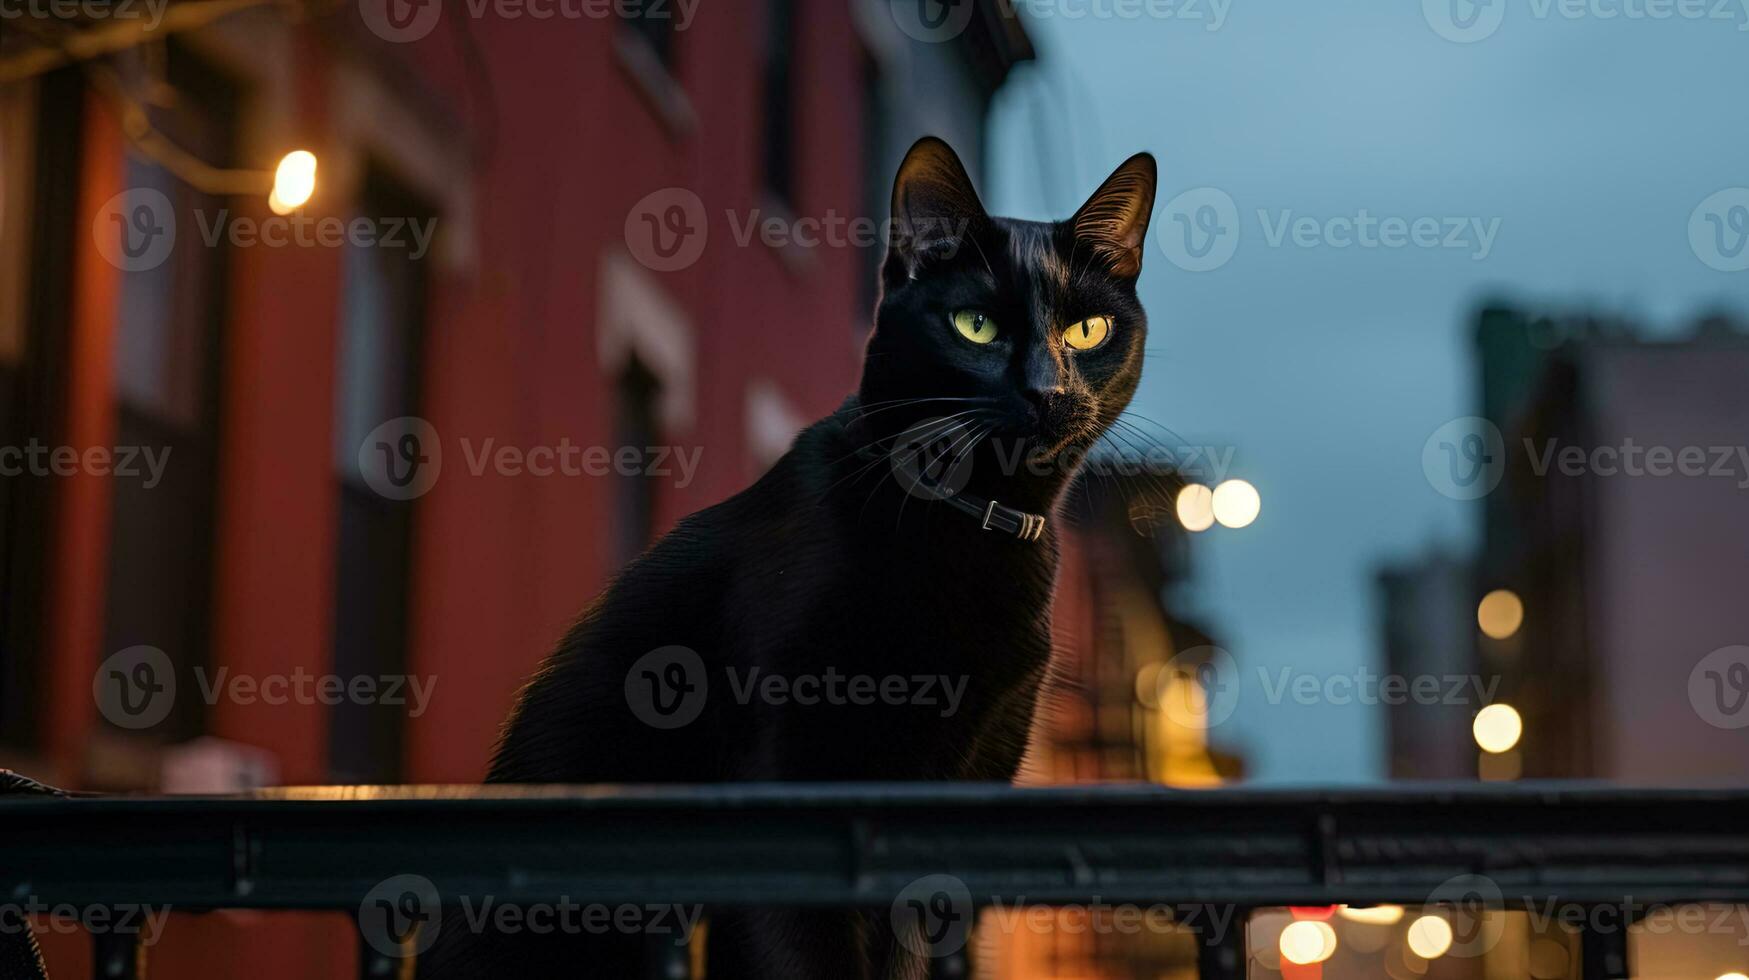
(116, 954)
(667, 957)
(1603, 953)
(1220, 949)
(373, 965)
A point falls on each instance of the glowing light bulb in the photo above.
(1236, 503)
(1497, 728)
(1500, 613)
(1196, 507)
(1307, 941)
(1377, 915)
(1429, 937)
(293, 182)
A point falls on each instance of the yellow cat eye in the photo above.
(977, 327)
(1089, 333)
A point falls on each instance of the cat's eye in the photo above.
(975, 326)
(1089, 333)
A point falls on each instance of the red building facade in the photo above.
(536, 243)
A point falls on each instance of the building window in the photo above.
(780, 130)
(636, 426)
(167, 359)
(381, 333)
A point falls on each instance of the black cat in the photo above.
(893, 571)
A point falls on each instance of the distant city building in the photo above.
(1623, 524)
(1428, 630)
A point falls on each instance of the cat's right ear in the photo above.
(935, 208)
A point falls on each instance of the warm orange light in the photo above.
(1497, 728)
(1429, 937)
(1500, 613)
(1196, 507)
(1307, 941)
(1377, 915)
(1236, 503)
(293, 182)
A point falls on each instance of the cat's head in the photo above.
(1031, 328)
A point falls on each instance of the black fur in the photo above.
(828, 563)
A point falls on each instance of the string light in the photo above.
(1307, 941)
(1429, 937)
(1497, 728)
(294, 181)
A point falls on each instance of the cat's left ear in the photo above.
(1115, 219)
(934, 206)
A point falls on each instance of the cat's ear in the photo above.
(1115, 219)
(934, 205)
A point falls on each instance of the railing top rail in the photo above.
(325, 847)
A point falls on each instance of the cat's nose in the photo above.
(1043, 400)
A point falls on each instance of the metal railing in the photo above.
(862, 845)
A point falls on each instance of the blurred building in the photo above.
(1622, 522)
(560, 254)
(1428, 629)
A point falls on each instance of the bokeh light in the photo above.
(1308, 941)
(1429, 937)
(293, 182)
(1196, 507)
(1500, 613)
(1497, 728)
(1236, 503)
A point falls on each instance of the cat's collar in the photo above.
(995, 516)
(991, 515)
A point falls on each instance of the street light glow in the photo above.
(1429, 937)
(1196, 507)
(1236, 503)
(1308, 941)
(293, 182)
(1500, 613)
(1376, 915)
(1497, 728)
